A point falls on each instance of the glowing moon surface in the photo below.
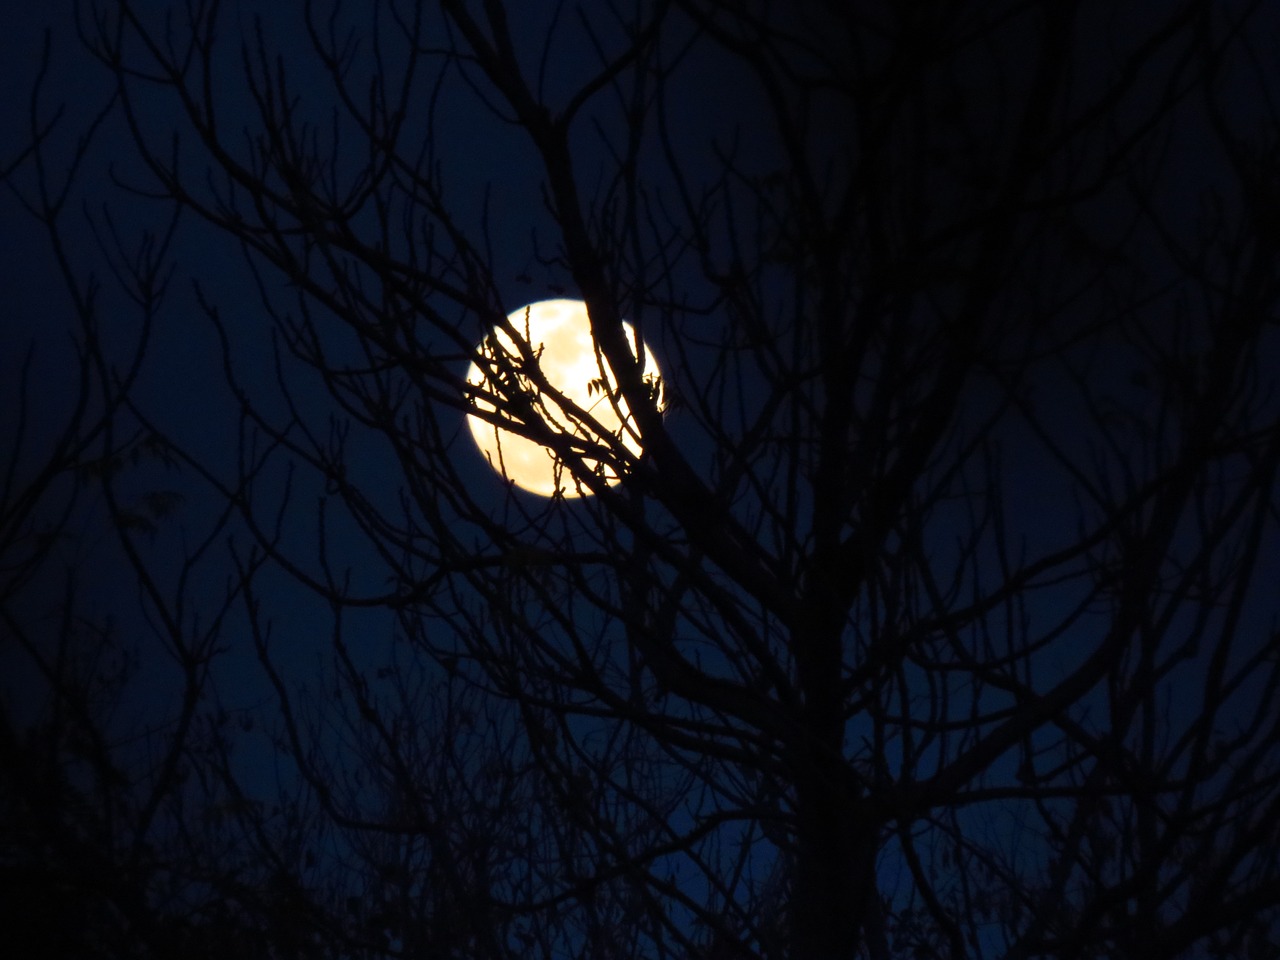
(559, 335)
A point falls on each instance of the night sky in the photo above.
(215, 378)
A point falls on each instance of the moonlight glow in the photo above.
(559, 334)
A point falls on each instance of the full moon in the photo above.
(558, 333)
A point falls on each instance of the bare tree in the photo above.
(85, 781)
(931, 619)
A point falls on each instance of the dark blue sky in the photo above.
(489, 169)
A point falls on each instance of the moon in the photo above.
(558, 333)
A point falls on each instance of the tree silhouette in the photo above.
(932, 620)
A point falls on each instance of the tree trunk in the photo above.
(835, 872)
(836, 837)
